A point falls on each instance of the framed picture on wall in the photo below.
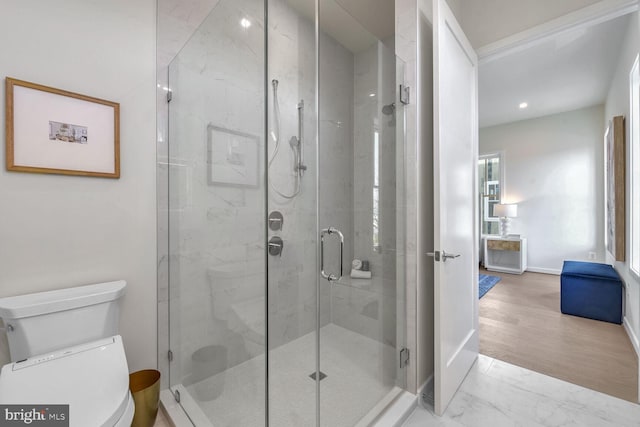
(614, 176)
(54, 131)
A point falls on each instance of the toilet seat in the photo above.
(92, 378)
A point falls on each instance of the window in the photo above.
(491, 185)
(634, 140)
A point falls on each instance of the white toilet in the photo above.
(65, 350)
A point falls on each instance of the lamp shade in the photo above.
(506, 210)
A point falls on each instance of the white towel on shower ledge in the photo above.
(358, 274)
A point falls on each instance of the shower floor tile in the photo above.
(359, 373)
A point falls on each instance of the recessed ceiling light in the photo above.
(245, 23)
(523, 105)
(372, 95)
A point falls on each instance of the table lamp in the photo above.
(505, 212)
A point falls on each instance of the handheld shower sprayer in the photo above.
(295, 143)
(300, 167)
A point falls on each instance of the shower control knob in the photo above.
(276, 244)
(276, 220)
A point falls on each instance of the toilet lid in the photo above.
(92, 378)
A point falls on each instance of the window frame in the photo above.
(634, 168)
(503, 186)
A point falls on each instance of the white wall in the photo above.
(554, 171)
(488, 21)
(618, 104)
(60, 231)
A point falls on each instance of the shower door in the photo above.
(335, 195)
(361, 149)
(285, 162)
(217, 222)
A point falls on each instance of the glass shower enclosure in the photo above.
(285, 223)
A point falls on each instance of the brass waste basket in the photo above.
(145, 389)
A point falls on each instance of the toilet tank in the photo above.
(48, 321)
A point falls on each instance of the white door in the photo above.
(455, 206)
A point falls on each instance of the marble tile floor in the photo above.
(161, 420)
(497, 394)
(359, 373)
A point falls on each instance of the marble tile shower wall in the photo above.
(369, 306)
(216, 252)
(336, 158)
(216, 230)
(292, 277)
(336, 141)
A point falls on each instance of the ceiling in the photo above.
(355, 24)
(565, 72)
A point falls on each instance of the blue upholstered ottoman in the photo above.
(589, 289)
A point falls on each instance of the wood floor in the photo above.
(521, 323)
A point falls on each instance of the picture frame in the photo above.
(232, 157)
(54, 131)
(614, 156)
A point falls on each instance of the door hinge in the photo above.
(405, 94)
(176, 396)
(169, 95)
(404, 357)
(170, 355)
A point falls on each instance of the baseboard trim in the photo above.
(636, 346)
(553, 271)
(632, 336)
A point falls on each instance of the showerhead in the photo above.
(294, 142)
(389, 109)
(274, 83)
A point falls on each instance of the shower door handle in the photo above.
(327, 232)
